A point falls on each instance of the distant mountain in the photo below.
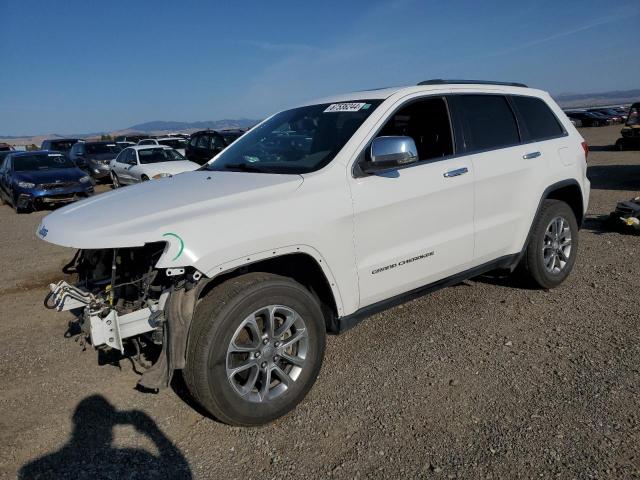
(169, 126)
(596, 99)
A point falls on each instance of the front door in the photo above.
(414, 225)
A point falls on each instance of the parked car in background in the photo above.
(588, 119)
(125, 144)
(630, 138)
(5, 149)
(615, 117)
(206, 144)
(59, 144)
(30, 180)
(177, 143)
(94, 157)
(130, 138)
(145, 162)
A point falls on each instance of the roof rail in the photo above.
(440, 81)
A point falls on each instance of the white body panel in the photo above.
(350, 226)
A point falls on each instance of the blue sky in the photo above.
(80, 66)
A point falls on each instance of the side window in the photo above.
(121, 156)
(217, 142)
(192, 141)
(488, 122)
(537, 118)
(131, 157)
(427, 122)
(203, 141)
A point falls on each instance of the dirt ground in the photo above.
(483, 379)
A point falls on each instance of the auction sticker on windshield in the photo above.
(344, 107)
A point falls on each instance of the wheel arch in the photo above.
(568, 191)
(301, 263)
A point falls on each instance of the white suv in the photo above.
(316, 218)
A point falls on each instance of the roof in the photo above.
(427, 86)
(62, 139)
(146, 147)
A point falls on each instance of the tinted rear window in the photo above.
(539, 120)
(488, 122)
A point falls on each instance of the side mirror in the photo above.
(391, 152)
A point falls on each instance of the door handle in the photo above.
(456, 173)
(531, 155)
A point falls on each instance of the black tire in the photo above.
(114, 180)
(19, 210)
(215, 322)
(144, 178)
(619, 145)
(532, 266)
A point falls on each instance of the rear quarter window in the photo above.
(537, 119)
(488, 122)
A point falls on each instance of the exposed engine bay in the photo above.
(120, 296)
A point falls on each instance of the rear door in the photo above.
(414, 225)
(508, 173)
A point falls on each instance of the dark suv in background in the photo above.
(59, 144)
(206, 144)
(94, 157)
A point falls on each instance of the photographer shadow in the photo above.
(90, 453)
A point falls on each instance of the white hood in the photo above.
(146, 212)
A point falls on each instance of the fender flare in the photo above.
(279, 252)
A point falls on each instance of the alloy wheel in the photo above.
(556, 246)
(267, 353)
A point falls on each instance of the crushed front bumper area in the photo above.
(105, 325)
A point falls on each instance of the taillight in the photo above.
(585, 147)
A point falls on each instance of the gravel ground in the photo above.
(483, 379)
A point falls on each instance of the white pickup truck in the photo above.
(316, 218)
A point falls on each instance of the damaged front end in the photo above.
(120, 295)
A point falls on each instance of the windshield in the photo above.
(101, 148)
(173, 143)
(26, 163)
(157, 155)
(634, 116)
(296, 141)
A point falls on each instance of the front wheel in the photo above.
(553, 245)
(144, 178)
(114, 180)
(255, 348)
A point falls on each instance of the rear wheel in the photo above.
(255, 348)
(551, 252)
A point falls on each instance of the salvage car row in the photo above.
(65, 170)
